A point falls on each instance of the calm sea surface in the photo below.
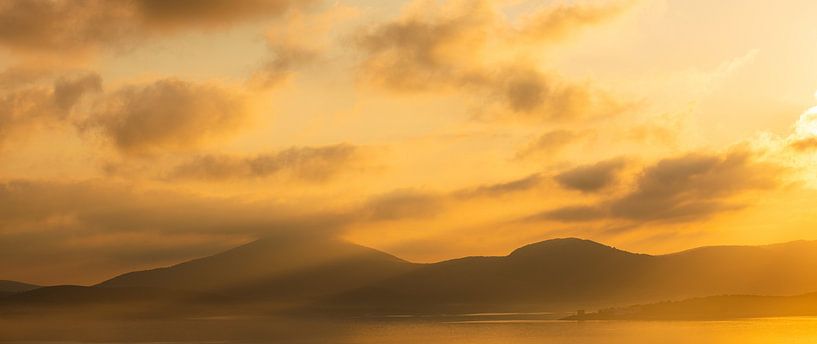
(410, 331)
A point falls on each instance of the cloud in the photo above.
(691, 187)
(804, 138)
(137, 119)
(38, 106)
(80, 232)
(805, 144)
(417, 53)
(101, 206)
(416, 204)
(551, 142)
(501, 189)
(286, 58)
(65, 26)
(67, 91)
(453, 47)
(203, 13)
(563, 20)
(307, 163)
(167, 114)
(571, 214)
(401, 204)
(23, 109)
(43, 25)
(591, 178)
(297, 40)
(528, 92)
(16, 77)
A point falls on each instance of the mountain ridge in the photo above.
(7, 286)
(283, 268)
(322, 274)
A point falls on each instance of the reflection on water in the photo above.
(779, 330)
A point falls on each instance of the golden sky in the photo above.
(142, 133)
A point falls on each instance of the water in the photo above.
(776, 330)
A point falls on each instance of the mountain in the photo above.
(780, 269)
(330, 275)
(566, 274)
(285, 270)
(712, 308)
(548, 274)
(15, 287)
(11, 287)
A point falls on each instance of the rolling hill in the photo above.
(330, 275)
(15, 287)
(564, 274)
(283, 270)
(8, 288)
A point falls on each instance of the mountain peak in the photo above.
(563, 246)
(285, 267)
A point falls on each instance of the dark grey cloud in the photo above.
(681, 189)
(167, 114)
(307, 163)
(593, 177)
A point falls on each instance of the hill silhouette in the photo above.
(286, 270)
(16, 287)
(12, 287)
(561, 274)
(330, 275)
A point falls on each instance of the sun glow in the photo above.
(807, 124)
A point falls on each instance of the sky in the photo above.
(137, 134)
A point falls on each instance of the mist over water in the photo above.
(409, 331)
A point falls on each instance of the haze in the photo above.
(141, 134)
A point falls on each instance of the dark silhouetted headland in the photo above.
(712, 308)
